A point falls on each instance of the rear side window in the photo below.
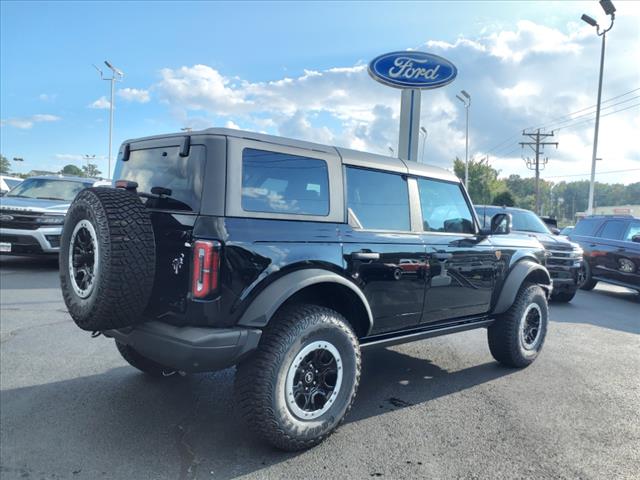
(632, 231)
(586, 227)
(444, 208)
(613, 229)
(164, 167)
(378, 200)
(275, 182)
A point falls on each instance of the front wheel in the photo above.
(301, 382)
(588, 283)
(517, 336)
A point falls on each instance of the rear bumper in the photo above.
(190, 349)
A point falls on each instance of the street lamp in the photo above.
(466, 101)
(424, 141)
(610, 10)
(116, 76)
(87, 158)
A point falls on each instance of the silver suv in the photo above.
(32, 213)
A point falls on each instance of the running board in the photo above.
(430, 331)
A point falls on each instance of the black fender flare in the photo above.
(265, 305)
(511, 285)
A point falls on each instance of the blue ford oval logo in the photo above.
(412, 70)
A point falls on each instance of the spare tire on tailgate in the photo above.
(107, 259)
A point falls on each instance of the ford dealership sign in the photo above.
(418, 70)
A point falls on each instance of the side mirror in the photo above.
(555, 231)
(501, 224)
(636, 238)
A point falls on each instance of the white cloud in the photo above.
(46, 97)
(28, 122)
(101, 103)
(134, 95)
(519, 77)
(74, 157)
(231, 124)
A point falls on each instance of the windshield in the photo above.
(48, 189)
(521, 220)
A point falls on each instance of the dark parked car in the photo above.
(611, 247)
(564, 260)
(224, 247)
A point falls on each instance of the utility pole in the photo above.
(535, 164)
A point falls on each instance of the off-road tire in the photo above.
(260, 380)
(141, 362)
(588, 283)
(504, 335)
(563, 297)
(126, 256)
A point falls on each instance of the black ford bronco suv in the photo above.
(286, 258)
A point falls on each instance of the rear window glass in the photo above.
(164, 167)
(378, 200)
(275, 182)
(586, 227)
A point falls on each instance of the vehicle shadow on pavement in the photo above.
(122, 424)
(588, 313)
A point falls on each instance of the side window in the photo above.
(281, 183)
(444, 208)
(586, 227)
(632, 231)
(613, 229)
(378, 200)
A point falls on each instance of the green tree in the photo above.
(5, 165)
(483, 180)
(504, 199)
(91, 170)
(72, 170)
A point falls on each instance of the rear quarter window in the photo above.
(274, 182)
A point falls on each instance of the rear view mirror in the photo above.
(501, 224)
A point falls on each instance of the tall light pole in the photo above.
(610, 10)
(116, 76)
(424, 141)
(87, 158)
(466, 101)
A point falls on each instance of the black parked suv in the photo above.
(564, 258)
(285, 257)
(611, 247)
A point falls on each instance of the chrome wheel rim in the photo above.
(531, 327)
(83, 258)
(313, 380)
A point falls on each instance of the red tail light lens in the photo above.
(206, 268)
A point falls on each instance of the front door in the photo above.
(380, 252)
(461, 264)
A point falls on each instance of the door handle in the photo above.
(443, 256)
(365, 256)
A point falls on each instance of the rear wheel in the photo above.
(517, 336)
(300, 383)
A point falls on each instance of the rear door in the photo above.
(608, 248)
(381, 252)
(461, 264)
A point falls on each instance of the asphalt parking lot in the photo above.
(70, 407)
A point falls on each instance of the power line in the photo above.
(501, 145)
(584, 122)
(599, 173)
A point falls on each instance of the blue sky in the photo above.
(296, 69)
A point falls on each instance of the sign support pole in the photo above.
(409, 125)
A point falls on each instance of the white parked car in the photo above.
(32, 213)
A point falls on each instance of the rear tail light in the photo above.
(206, 268)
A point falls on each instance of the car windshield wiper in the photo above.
(19, 196)
(52, 198)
